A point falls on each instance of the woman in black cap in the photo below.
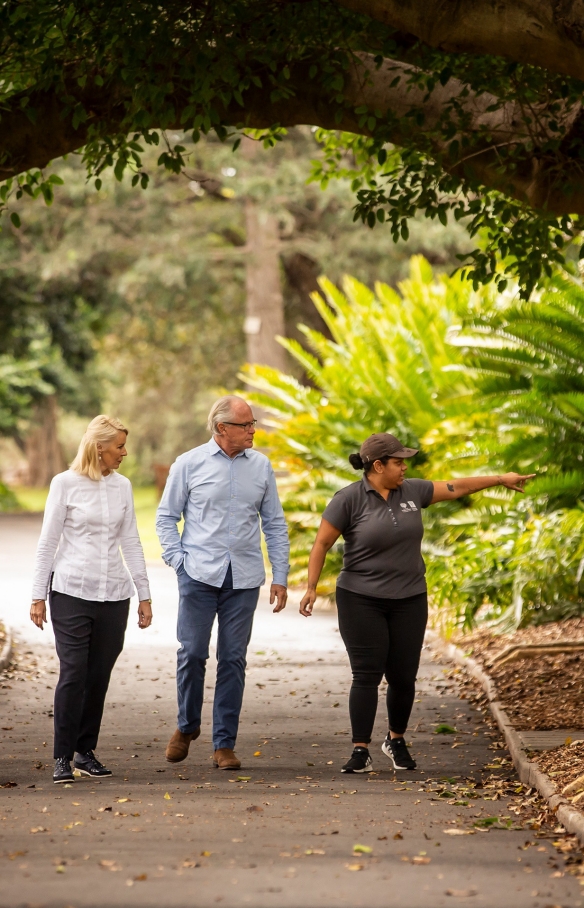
(381, 591)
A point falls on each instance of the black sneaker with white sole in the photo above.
(88, 765)
(360, 761)
(62, 771)
(397, 751)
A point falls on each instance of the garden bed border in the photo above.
(529, 772)
(6, 653)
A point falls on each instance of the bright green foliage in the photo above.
(390, 367)
(385, 369)
(528, 360)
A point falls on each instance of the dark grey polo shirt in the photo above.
(383, 539)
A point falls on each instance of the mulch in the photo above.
(563, 764)
(541, 693)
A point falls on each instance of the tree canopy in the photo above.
(466, 109)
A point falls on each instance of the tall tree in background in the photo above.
(170, 266)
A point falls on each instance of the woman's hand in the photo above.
(38, 612)
(307, 603)
(144, 613)
(515, 481)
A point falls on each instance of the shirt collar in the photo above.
(369, 488)
(214, 448)
(367, 485)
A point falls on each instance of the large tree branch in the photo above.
(546, 33)
(25, 145)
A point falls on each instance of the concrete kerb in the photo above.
(530, 774)
(6, 654)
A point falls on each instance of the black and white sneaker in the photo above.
(360, 761)
(397, 751)
(88, 765)
(62, 771)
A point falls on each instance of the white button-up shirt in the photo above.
(85, 523)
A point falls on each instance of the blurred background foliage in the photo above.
(481, 384)
(134, 303)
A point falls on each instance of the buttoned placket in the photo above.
(103, 543)
(386, 504)
(232, 507)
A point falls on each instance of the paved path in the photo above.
(162, 835)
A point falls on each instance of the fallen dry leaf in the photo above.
(354, 866)
(206, 854)
(458, 831)
(39, 829)
(461, 893)
(110, 865)
(167, 797)
(141, 877)
(362, 849)
(254, 809)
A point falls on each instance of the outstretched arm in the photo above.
(325, 538)
(456, 488)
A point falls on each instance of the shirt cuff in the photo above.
(281, 578)
(176, 560)
(143, 593)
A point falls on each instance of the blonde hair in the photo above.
(102, 429)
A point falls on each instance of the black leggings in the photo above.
(382, 637)
(89, 638)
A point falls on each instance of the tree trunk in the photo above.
(43, 451)
(264, 310)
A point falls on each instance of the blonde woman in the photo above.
(89, 516)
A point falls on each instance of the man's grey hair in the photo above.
(222, 411)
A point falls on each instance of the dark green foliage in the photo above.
(123, 73)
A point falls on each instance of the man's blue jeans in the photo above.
(199, 603)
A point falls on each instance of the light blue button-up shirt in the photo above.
(222, 500)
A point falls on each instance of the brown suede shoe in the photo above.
(178, 746)
(224, 758)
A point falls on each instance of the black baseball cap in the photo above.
(382, 444)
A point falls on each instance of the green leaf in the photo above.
(444, 729)
(15, 219)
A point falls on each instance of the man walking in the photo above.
(223, 489)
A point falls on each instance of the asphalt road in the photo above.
(283, 831)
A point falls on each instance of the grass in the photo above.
(145, 499)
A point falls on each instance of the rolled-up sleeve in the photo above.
(170, 511)
(275, 531)
(132, 549)
(52, 529)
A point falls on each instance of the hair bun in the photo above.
(356, 461)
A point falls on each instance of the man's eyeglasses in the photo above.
(243, 425)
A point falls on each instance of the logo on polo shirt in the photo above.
(408, 507)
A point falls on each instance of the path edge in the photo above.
(529, 772)
(6, 654)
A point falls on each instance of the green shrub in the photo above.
(508, 393)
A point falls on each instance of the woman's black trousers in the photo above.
(89, 637)
(382, 637)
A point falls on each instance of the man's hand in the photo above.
(38, 612)
(279, 595)
(144, 613)
(307, 602)
(515, 481)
